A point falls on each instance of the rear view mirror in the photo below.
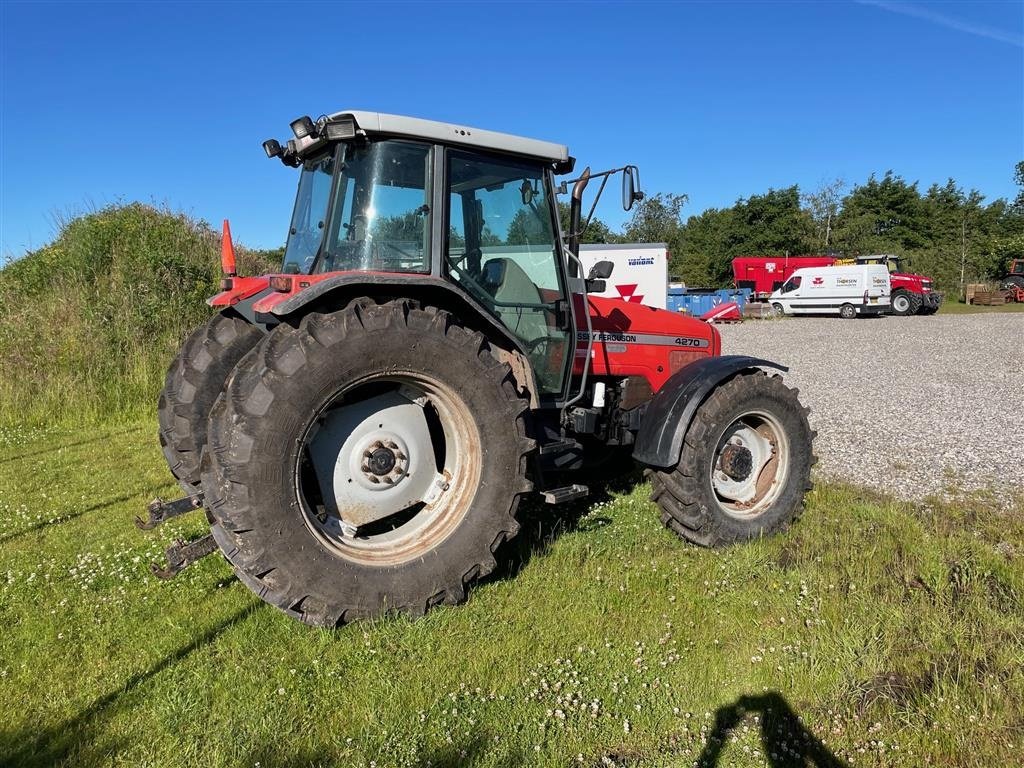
(595, 282)
(601, 271)
(630, 187)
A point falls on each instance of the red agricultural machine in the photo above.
(1013, 280)
(361, 427)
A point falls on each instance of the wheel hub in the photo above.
(373, 459)
(737, 462)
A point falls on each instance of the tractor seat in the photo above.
(508, 282)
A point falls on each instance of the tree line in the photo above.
(949, 234)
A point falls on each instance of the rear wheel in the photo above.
(193, 382)
(744, 467)
(905, 303)
(369, 461)
(847, 311)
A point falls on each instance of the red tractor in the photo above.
(912, 294)
(1013, 280)
(362, 426)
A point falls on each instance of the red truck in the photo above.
(912, 294)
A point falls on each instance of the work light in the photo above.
(303, 127)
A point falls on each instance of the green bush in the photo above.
(93, 319)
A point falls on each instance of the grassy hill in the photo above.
(93, 319)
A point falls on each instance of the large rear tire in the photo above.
(194, 381)
(369, 461)
(905, 303)
(744, 467)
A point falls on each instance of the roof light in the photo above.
(303, 127)
(336, 130)
(272, 147)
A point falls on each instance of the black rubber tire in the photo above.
(928, 310)
(848, 312)
(777, 310)
(255, 439)
(901, 303)
(909, 302)
(194, 381)
(685, 494)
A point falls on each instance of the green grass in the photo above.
(959, 308)
(895, 632)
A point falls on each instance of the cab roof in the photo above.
(452, 133)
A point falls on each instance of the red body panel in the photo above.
(629, 339)
(636, 340)
(234, 289)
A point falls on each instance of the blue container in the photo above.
(697, 303)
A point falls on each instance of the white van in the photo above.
(859, 289)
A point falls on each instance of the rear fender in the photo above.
(660, 439)
(336, 291)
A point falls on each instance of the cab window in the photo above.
(792, 284)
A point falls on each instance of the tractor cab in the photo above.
(414, 199)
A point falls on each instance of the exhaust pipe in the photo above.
(575, 213)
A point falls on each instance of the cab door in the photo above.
(502, 249)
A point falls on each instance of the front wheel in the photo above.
(777, 310)
(369, 461)
(744, 467)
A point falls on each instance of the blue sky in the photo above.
(168, 103)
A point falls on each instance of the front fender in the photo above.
(660, 439)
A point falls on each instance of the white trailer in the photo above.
(640, 274)
(862, 289)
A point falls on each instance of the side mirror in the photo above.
(630, 187)
(601, 271)
(595, 282)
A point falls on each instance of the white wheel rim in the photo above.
(390, 512)
(751, 465)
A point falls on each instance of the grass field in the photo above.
(959, 308)
(874, 633)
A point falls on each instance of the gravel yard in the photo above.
(910, 405)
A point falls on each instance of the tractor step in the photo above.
(160, 510)
(561, 446)
(181, 554)
(564, 494)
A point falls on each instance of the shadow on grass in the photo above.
(542, 524)
(67, 740)
(73, 515)
(787, 743)
(54, 449)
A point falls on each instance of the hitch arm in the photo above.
(181, 554)
(160, 510)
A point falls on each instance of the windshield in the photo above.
(380, 217)
(307, 227)
(379, 213)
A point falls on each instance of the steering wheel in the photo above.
(532, 344)
(456, 261)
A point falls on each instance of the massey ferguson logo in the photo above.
(818, 281)
(628, 293)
